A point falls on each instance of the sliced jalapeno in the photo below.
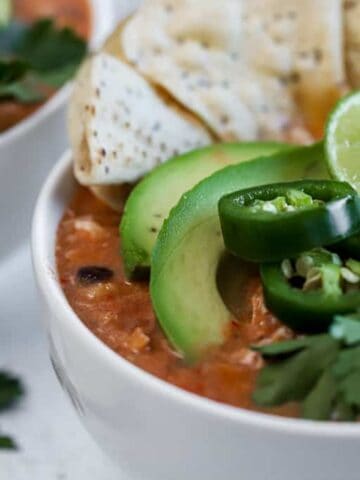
(271, 222)
(350, 247)
(307, 292)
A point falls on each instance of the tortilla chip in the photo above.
(114, 196)
(352, 40)
(120, 128)
(249, 69)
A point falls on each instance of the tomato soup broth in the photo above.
(120, 313)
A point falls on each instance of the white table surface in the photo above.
(53, 444)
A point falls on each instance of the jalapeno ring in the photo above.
(313, 310)
(272, 222)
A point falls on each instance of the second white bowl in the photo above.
(27, 151)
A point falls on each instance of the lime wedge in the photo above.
(342, 140)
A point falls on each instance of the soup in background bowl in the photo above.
(77, 16)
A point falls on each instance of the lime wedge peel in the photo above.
(342, 140)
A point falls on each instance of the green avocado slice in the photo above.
(190, 245)
(152, 199)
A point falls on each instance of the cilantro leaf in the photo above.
(16, 82)
(293, 378)
(282, 348)
(47, 48)
(35, 58)
(7, 443)
(347, 372)
(343, 412)
(57, 78)
(26, 90)
(350, 388)
(12, 70)
(320, 371)
(11, 390)
(346, 328)
(318, 405)
(347, 361)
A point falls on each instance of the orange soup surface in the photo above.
(120, 314)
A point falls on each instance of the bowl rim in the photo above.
(103, 19)
(50, 289)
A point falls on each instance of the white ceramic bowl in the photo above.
(28, 150)
(157, 431)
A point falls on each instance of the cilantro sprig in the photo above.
(11, 390)
(7, 443)
(35, 58)
(321, 372)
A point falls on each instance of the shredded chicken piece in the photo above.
(138, 340)
(247, 357)
(100, 291)
(88, 225)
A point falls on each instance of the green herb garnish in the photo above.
(11, 390)
(293, 378)
(17, 83)
(346, 328)
(322, 372)
(7, 443)
(49, 50)
(35, 58)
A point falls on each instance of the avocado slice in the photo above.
(190, 245)
(152, 199)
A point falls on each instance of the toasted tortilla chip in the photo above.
(114, 196)
(352, 40)
(249, 69)
(117, 137)
(119, 126)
